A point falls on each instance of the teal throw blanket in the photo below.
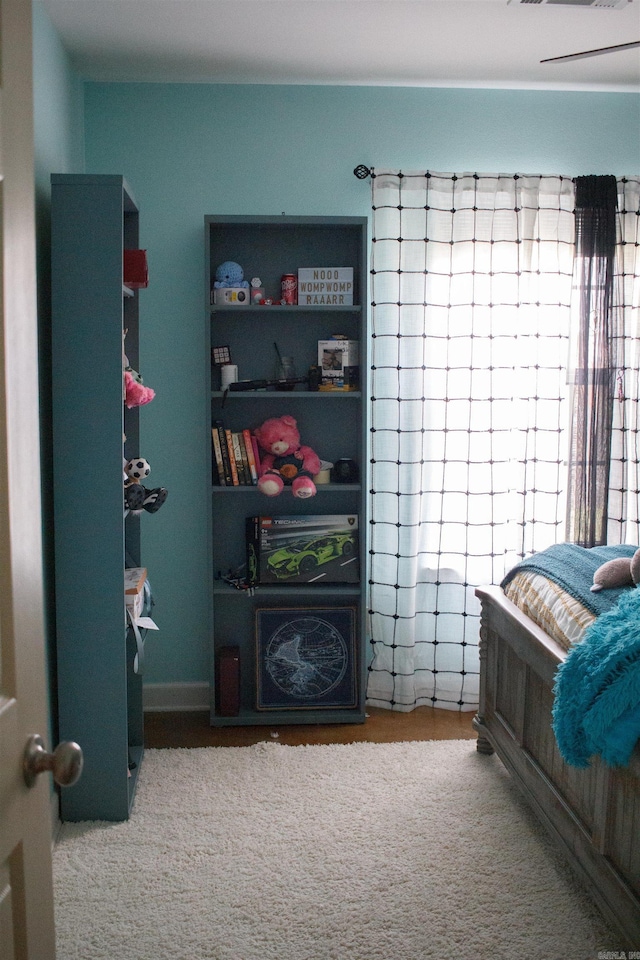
(597, 689)
(572, 568)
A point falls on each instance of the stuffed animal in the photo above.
(621, 572)
(285, 462)
(136, 497)
(136, 470)
(230, 274)
(135, 392)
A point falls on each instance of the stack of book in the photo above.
(235, 456)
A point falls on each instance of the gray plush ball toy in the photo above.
(621, 572)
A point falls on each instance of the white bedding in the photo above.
(560, 615)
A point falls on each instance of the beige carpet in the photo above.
(405, 851)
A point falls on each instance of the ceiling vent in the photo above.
(610, 4)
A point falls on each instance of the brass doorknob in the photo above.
(65, 763)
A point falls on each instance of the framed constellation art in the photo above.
(306, 658)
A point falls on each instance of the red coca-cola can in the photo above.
(289, 287)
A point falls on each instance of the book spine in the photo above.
(228, 476)
(237, 452)
(232, 458)
(217, 453)
(256, 455)
(251, 460)
(245, 459)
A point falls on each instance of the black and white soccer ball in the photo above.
(137, 469)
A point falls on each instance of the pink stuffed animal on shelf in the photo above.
(285, 462)
(136, 394)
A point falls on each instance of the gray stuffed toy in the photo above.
(620, 572)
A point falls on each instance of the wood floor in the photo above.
(381, 726)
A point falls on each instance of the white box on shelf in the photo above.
(325, 286)
(334, 356)
(232, 295)
(134, 578)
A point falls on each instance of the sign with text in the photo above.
(325, 286)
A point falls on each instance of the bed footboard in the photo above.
(593, 814)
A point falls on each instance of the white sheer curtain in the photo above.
(471, 289)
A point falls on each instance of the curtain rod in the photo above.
(362, 171)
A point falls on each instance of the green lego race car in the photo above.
(303, 556)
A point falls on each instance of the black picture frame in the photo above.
(306, 657)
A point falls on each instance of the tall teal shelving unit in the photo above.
(99, 693)
(335, 424)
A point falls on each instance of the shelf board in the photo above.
(290, 590)
(288, 308)
(321, 488)
(285, 394)
(276, 718)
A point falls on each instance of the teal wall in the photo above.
(58, 116)
(58, 102)
(58, 107)
(190, 150)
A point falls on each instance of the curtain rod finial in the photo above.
(362, 172)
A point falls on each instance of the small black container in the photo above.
(315, 378)
(345, 471)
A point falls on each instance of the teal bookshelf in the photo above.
(99, 693)
(334, 424)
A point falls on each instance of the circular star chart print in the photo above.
(306, 657)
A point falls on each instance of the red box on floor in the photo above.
(134, 269)
(228, 682)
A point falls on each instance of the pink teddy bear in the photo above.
(285, 463)
(135, 392)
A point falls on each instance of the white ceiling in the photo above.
(471, 43)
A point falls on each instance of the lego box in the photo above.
(315, 549)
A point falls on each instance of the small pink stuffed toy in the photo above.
(136, 394)
(285, 462)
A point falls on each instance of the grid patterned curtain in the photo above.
(471, 288)
(473, 278)
(623, 516)
(593, 362)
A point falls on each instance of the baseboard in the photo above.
(181, 697)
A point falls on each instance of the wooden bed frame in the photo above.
(594, 813)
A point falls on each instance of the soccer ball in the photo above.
(137, 469)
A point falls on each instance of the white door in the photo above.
(26, 901)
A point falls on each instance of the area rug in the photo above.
(401, 851)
